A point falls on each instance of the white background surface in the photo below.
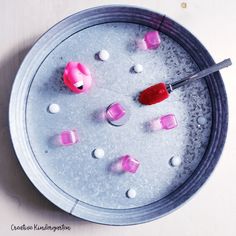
(210, 212)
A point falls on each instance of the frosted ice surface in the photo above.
(72, 168)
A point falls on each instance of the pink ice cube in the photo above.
(115, 111)
(69, 137)
(152, 39)
(129, 164)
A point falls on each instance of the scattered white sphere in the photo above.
(98, 153)
(138, 68)
(104, 55)
(201, 120)
(54, 108)
(175, 161)
(131, 193)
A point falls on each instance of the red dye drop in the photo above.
(154, 94)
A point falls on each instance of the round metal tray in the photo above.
(69, 176)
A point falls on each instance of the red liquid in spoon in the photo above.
(154, 94)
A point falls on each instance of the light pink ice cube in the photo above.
(164, 122)
(169, 121)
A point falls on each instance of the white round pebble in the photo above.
(104, 55)
(131, 193)
(53, 108)
(175, 161)
(201, 120)
(98, 153)
(138, 68)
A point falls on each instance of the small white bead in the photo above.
(175, 161)
(98, 153)
(138, 68)
(104, 55)
(201, 120)
(131, 193)
(54, 108)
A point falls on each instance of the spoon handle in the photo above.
(201, 74)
